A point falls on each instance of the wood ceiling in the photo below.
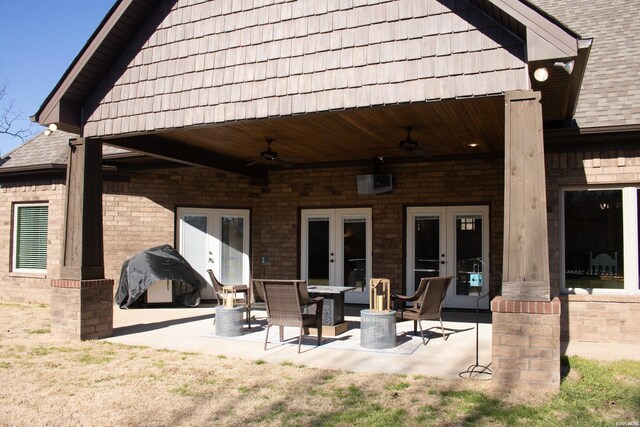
(442, 128)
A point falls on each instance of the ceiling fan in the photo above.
(269, 156)
(411, 145)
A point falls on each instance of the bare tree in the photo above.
(9, 116)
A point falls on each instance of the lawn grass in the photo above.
(47, 381)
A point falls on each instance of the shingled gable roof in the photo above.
(148, 90)
(610, 94)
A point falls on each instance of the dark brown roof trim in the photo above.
(46, 169)
(607, 138)
(32, 169)
(64, 104)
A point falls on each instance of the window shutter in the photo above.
(31, 236)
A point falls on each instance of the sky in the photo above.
(38, 41)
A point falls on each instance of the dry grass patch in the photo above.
(49, 381)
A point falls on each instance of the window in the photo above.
(30, 237)
(599, 239)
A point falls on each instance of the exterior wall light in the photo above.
(52, 128)
(541, 74)
(566, 66)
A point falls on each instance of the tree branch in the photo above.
(8, 116)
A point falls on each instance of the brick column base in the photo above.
(82, 309)
(526, 343)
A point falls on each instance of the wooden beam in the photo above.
(82, 245)
(526, 244)
(178, 152)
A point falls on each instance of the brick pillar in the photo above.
(526, 343)
(81, 298)
(526, 320)
(82, 309)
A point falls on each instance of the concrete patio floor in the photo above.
(192, 330)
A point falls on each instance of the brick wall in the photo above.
(81, 309)
(140, 213)
(526, 343)
(31, 288)
(596, 318)
(415, 184)
(601, 318)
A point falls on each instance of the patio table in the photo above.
(333, 307)
(229, 321)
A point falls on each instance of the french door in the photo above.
(336, 249)
(450, 241)
(216, 239)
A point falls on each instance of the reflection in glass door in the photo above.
(233, 249)
(319, 255)
(194, 243)
(450, 241)
(426, 248)
(468, 248)
(336, 249)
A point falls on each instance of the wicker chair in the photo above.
(427, 301)
(217, 291)
(286, 301)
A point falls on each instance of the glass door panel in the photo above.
(232, 250)
(216, 239)
(426, 248)
(355, 253)
(194, 243)
(468, 277)
(449, 241)
(318, 251)
(336, 249)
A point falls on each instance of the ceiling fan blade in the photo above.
(254, 163)
(282, 162)
(422, 153)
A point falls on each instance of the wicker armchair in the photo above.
(286, 301)
(427, 301)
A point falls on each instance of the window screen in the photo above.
(30, 237)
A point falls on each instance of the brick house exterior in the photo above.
(203, 83)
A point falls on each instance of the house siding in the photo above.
(212, 62)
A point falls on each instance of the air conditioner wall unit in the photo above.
(379, 183)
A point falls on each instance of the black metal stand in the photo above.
(477, 371)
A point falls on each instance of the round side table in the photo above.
(377, 329)
(229, 321)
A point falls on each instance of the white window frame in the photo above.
(14, 240)
(630, 240)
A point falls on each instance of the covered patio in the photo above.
(448, 107)
(192, 330)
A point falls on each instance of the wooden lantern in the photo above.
(380, 294)
(229, 296)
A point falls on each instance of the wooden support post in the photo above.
(525, 274)
(82, 252)
(82, 299)
(526, 321)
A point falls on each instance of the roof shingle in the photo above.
(610, 94)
